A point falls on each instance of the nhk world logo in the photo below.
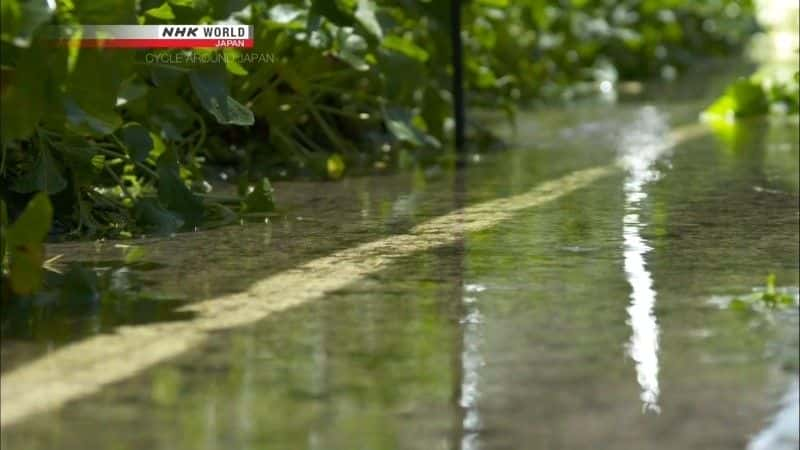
(159, 36)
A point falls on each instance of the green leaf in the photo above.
(92, 91)
(259, 198)
(210, 86)
(137, 140)
(744, 98)
(22, 96)
(25, 245)
(154, 218)
(44, 176)
(163, 12)
(21, 19)
(494, 3)
(352, 49)
(399, 123)
(34, 222)
(365, 13)
(406, 47)
(174, 194)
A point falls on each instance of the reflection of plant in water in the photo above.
(95, 298)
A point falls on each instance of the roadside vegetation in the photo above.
(122, 143)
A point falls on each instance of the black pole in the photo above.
(458, 73)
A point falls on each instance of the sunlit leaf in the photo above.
(335, 166)
(365, 13)
(406, 47)
(163, 12)
(25, 245)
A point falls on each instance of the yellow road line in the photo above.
(83, 368)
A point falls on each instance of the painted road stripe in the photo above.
(83, 368)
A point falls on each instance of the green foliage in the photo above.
(768, 298)
(123, 137)
(754, 96)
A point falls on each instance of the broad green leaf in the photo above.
(744, 98)
(23, 94)
(173, 193)
(232, 63)
(92, 90)
(494, 3)
(137, 140)
(25, 245)
(96, 120)
(210, 86)
(405, 46)
(44, 176)
(399, 123)
(34, 222)
(155, 218)
(21, 18)
(352, 50)
(170, 113)
(163, 12)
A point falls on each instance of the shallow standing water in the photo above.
(597, 320)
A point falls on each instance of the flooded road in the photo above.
(572, 293)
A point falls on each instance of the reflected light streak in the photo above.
(641, 147)
(471, 362)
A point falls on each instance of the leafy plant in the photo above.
(769, 298)
(124, 139)
(755, 96)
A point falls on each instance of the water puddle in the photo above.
(517, 304)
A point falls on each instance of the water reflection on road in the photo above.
(641, 146)
(508, 336)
